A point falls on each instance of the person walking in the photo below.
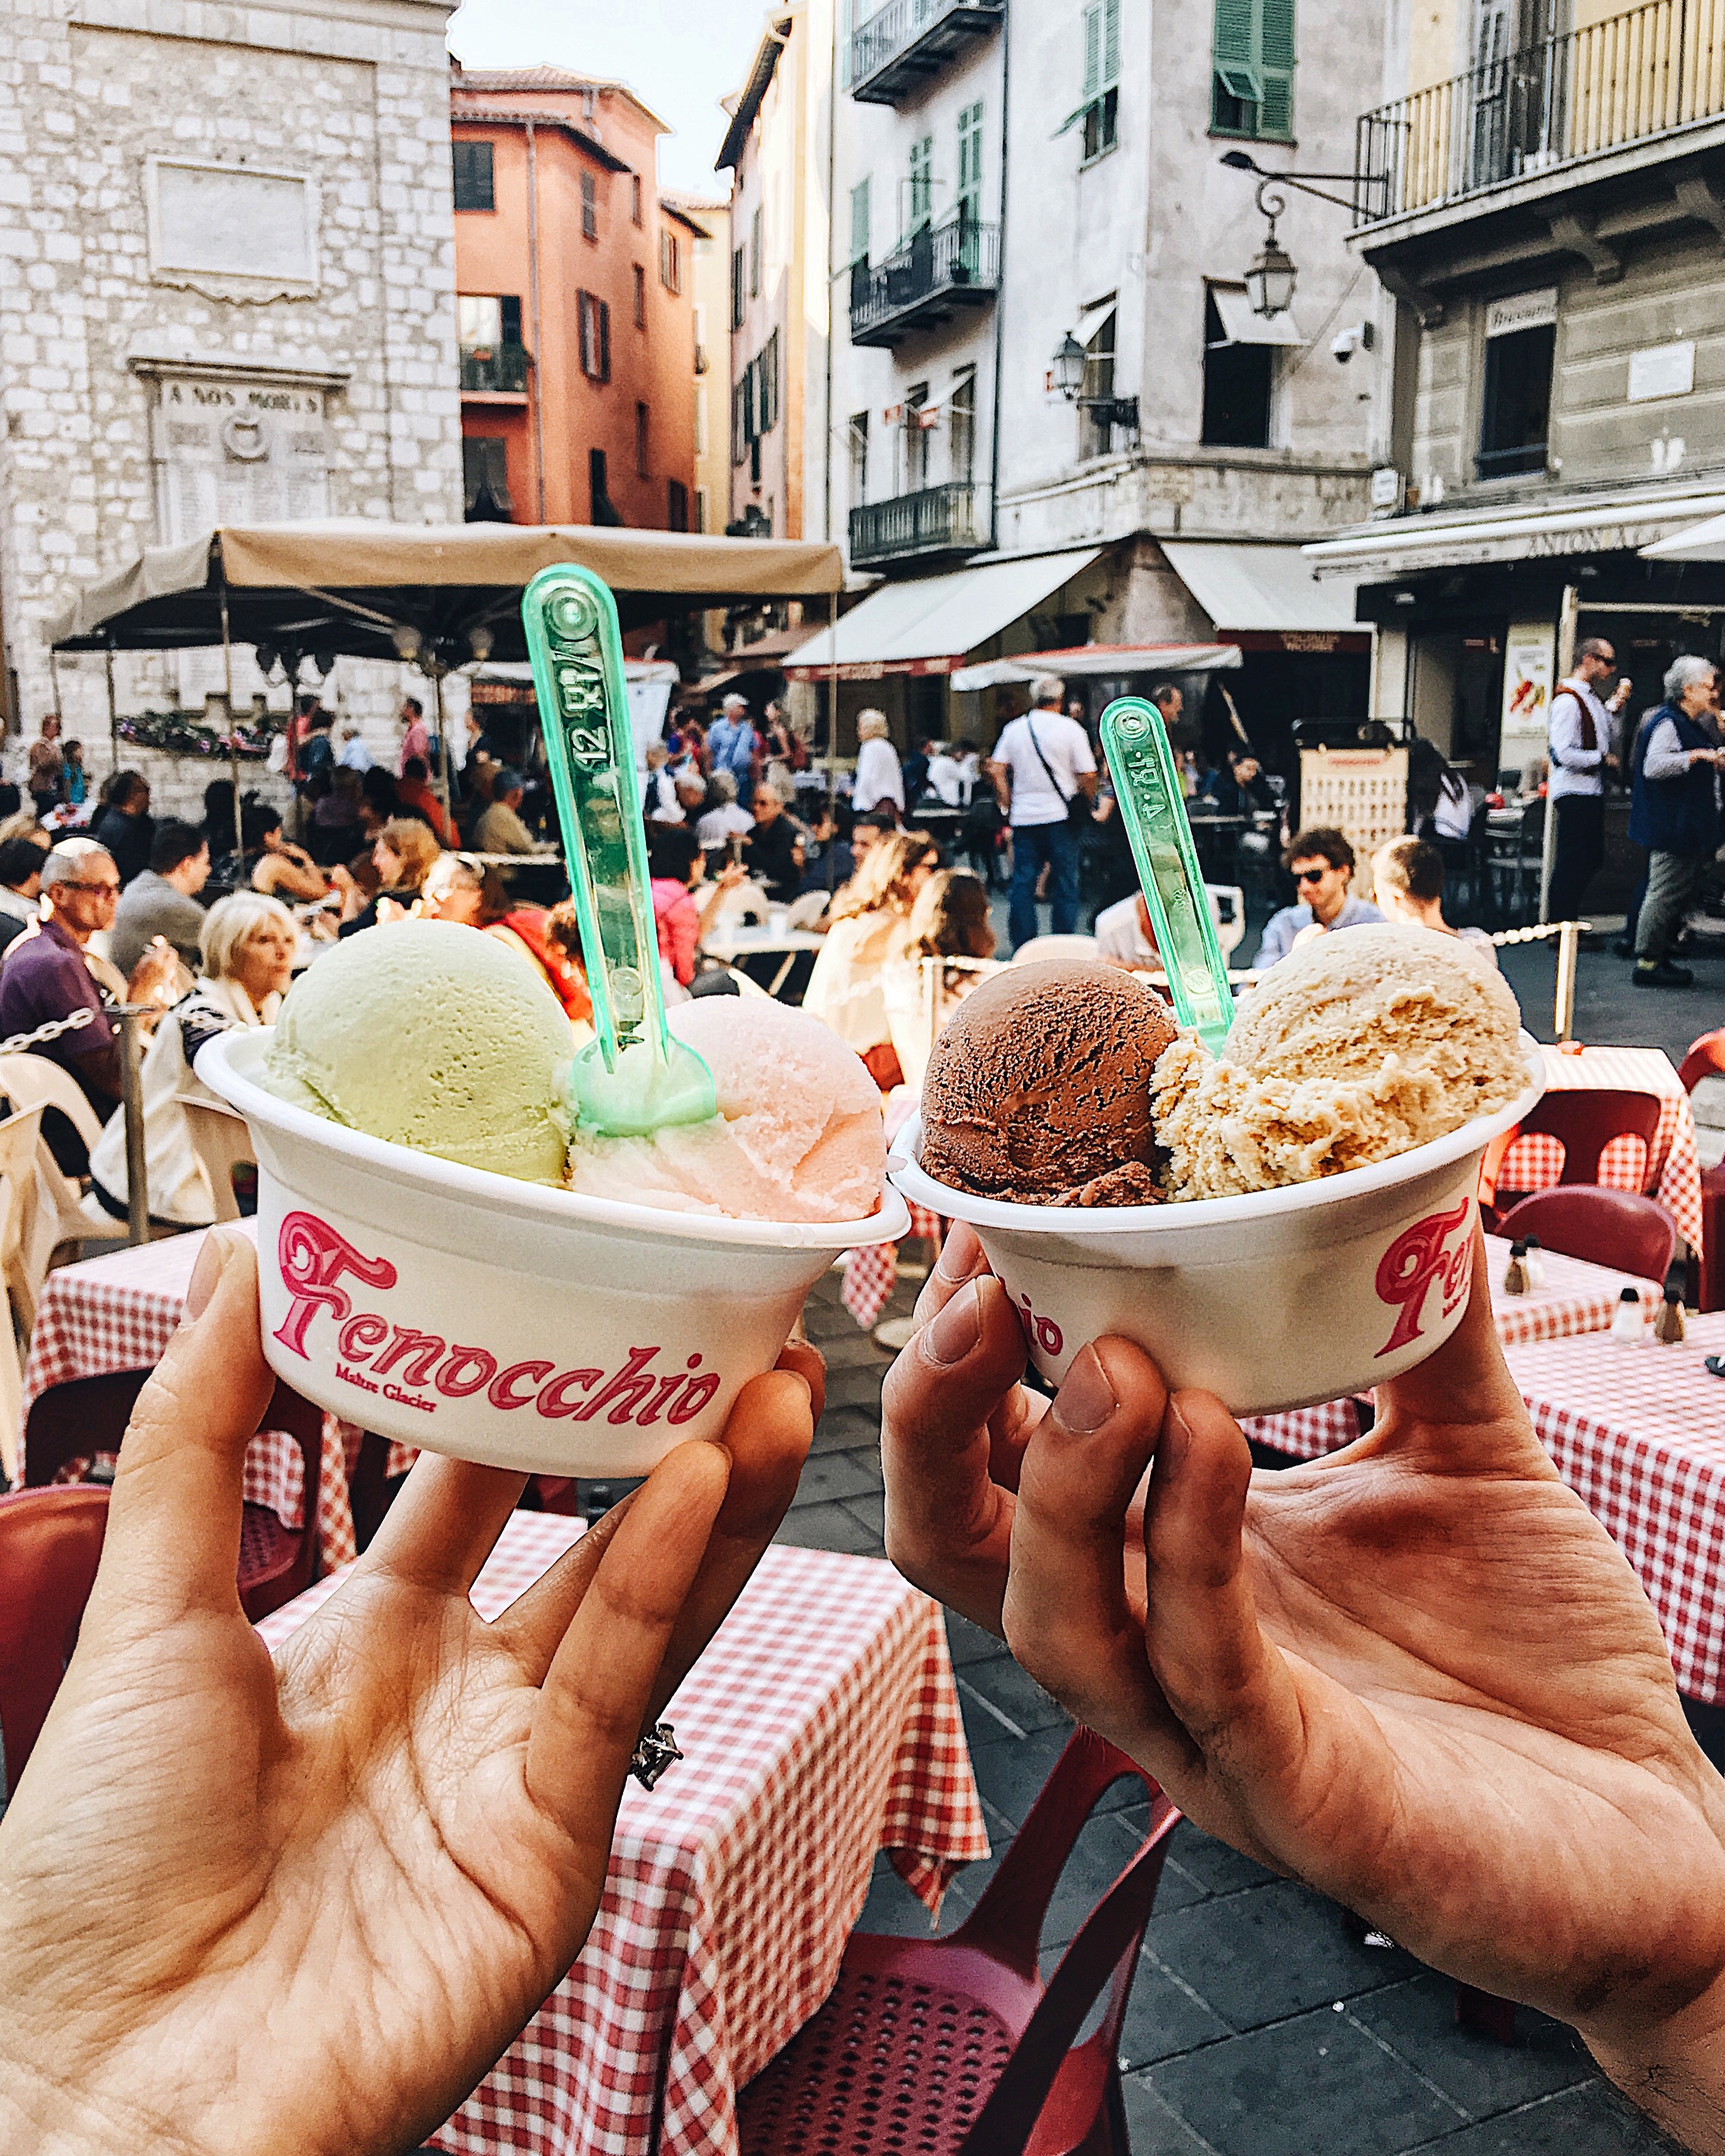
(879, 777)
(1580, 735)
(48, 765)
(732, 742)
(1674, 813)
(1042, 766)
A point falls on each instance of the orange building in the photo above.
(576, 304)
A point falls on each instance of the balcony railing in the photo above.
(951, 519)
(903, 43)
(925, 281)
(1627, 79)
(494, 367)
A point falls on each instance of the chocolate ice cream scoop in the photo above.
(1038, 1092)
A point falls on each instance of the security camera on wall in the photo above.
(1360, 338)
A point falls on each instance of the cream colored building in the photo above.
(226, 293)
(712, 361)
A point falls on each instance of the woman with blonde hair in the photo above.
(870, 932)
(950, 920)
(246, 951)
(880, 779)
(402, 853)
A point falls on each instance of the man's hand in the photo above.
(158, 977)
(1417, 1673)
(304, 1909)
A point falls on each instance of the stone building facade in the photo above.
(226, 293)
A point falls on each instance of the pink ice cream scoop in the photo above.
(799, 1135)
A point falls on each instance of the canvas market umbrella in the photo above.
(437, 595)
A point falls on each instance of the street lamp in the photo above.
(1069, 366)
(1071, 361)
(1271, 280)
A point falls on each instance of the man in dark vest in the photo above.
(1675, 814)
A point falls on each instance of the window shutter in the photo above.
(602, 307)
(1275, 67)
(1111, 43)
(860, 222)
(1236, 49)
(509, 308)
(1093, 50)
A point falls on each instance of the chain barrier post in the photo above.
(1568, 950)
(132, 1099)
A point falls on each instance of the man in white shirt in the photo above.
(947, 777)
(1581, 731)
(726, 821)
(1125, 938)
(1042, 762)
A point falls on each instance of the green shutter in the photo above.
(1092, 51)
(1275, 58)
(860, 222)
(1236, 49)
(1111, 43)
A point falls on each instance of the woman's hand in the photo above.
(246, 1909)
(1417, 1673)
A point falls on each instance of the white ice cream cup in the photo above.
(503, 1321)
(1275, 1301)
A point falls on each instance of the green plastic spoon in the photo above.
(635, 1077)
(1147, 785)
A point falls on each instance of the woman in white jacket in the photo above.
(246, 952)
(879, 777)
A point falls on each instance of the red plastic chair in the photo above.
(89, 1415)
(1612, 1228)
(1707, 1059)
(50, 1544)
(952, 2047)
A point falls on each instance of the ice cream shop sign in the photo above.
(420, 1371)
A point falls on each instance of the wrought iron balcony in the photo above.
(950, 519)
(494, 367)
(925, 281)
(1628, 80)
(901, 45)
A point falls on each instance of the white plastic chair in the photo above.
(1054, 946)
(804, 911)
(1227, 912)
(19, 1137)
(32, 1081)
(223, 1142)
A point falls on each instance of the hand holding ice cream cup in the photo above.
(1277, 1202)
(471, 1242)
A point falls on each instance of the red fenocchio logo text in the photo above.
(419, 1369)
(1418, 1258)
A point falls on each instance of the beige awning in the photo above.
(1240, 326)
(1253, 585)
(347, 584)
(927, 624)
(1614, 523)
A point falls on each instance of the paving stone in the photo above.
(1417, 2019)
(1154, 2129)
(856, 1389)
(1017, 1696)
(830, 1477)
(968, 1643)
(1317, 2082)
(846, 1430)
(1010, 1772)
(870, 1507)
(1164, 2020)
(1218, 1869)
(1271, 1951)
(826, 1527)
(1593, 2121)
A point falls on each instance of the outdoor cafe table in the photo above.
(821, 1725)
(729, 944)
(118, 1312)
(1638, 1432)
(1672, 1175)
(1577, 1299)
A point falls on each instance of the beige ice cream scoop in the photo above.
(1359, 1046)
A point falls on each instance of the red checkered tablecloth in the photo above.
(871, 1273)
(821, 1725)
(1672, 1175)
(118, 1312)
(1576, 1299)
(1638, 1432)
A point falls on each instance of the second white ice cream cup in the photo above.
(503, 1321)
(1278, 1300)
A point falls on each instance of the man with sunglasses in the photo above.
(1320, 862)
(45, 977)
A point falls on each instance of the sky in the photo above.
(680, 56)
